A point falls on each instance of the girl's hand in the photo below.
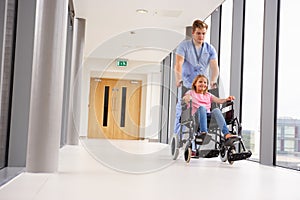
(230, 98)
(187, 98)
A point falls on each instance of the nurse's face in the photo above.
(199, 35)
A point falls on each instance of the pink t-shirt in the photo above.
(200, 100)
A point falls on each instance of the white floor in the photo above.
(101, 169)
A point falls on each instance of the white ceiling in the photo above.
(114, 29)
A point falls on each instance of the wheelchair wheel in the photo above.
(231, 151)
(187, 154)
(175, 147)
(223, 154)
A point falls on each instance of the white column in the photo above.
(188, 32)
(268, 86)
(47, 86)
(75, 82)
(237, 54)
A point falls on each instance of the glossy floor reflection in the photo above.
(85, 175)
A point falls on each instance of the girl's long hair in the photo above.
(195, 81)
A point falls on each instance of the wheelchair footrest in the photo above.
(239, 156)
(202, 139)
(232, 140)
(208, 153)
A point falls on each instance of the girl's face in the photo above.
(201, 85)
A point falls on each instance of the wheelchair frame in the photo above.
(229, 150)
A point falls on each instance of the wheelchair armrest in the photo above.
(226, 104)
(183, 106)
(228, 111)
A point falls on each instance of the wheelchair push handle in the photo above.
(214, 86)
(179, 83)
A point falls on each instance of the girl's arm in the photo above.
(220, 101)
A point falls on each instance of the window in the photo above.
(225, 48)
(288, 111)
(251, 91)
(207, 35)
(289, 132)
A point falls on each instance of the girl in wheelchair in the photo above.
(199, 101)
(201, 105)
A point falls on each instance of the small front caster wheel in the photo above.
(229, 153)
(187, 154)
(223, 154)
(175, 147)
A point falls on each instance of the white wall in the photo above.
(148, 73)
(153, 104)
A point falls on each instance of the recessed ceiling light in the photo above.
(142, 11)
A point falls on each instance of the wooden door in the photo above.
(114, 109)
(126, 110)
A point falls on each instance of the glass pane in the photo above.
(251, 93)
(105, 105)
(225, 48)
(207, 35)
(123, 107)
(7, 37)
(289, 132)
(288, 111)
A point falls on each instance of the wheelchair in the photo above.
(230, 150)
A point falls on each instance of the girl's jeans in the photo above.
(216, 114)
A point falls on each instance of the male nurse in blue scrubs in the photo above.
(194, 57)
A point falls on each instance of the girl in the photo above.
(201, 103)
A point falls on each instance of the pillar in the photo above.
(47, 86)
(75, 82)
(188, 32)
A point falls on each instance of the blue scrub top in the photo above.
(193, 64)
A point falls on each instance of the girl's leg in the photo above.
(202, 117)
(217, 114)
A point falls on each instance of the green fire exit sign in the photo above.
(122, 63)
